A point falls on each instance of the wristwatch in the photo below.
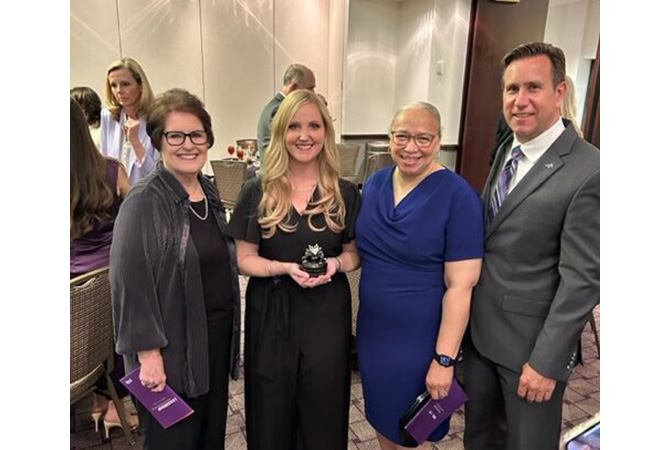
(444, 360)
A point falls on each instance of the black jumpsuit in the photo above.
(297, 341)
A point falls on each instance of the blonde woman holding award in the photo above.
(294, 230)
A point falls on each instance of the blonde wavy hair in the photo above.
(274, 209)
(146, 97)
(569, 105)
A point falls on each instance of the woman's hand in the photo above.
(132, 127)
(438, 380)
(299, 276)
(331, 269)
(152, 372)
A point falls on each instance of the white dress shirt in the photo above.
(532, 151)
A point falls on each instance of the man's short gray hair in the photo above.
(295, 73)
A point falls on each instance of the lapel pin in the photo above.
(549, 166)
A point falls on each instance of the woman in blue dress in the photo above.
(420, 235)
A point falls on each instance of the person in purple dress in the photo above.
(97, 186)
(420, 236)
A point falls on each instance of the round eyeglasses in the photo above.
(175, 138)
(402, 138)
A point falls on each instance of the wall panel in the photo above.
(301, 36)
(164, 36)
(94, 42)
(238, 41)
(370, 67)
(416, 26)
(450, 49)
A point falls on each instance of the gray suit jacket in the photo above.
(541, 272)
(265, 123)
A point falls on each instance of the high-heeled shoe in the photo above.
(96, 418)
(109, 425)
(99, 409)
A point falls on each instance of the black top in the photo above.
(214, 263)
(272, 303)
(289, 247)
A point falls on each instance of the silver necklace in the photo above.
(196, 214)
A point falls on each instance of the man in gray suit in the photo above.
(296, 76)
(541, 272)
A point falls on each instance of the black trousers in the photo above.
(297, 372)
(496, 418)
(206, 428)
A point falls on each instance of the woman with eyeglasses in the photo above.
(123, 133)
(174, 277)
(420, 235)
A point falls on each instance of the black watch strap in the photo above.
(444, 360)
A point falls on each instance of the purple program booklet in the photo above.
(167, 407)
(427, 414)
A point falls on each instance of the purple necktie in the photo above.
(502, 188)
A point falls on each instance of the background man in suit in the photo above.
(541, 270)
(296, 76)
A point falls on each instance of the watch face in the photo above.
(445, 360)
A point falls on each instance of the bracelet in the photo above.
(339, 264)
(268, 268)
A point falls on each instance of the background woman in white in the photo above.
(123, 132)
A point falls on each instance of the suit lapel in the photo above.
(545, 167)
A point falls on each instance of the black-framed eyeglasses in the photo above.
(175, 138)
(422, 140)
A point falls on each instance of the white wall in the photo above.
(370, 68)
(450, 40)
(238, 49)
(336, 45)
(94, 42)
(574, 26)
(393, 51)
(415, 29)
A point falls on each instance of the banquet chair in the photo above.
(92, 339)
(348, 157)
(354, 278)
(229, 176)
(376, 162)
(376, 147)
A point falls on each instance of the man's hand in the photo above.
(535, 387)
